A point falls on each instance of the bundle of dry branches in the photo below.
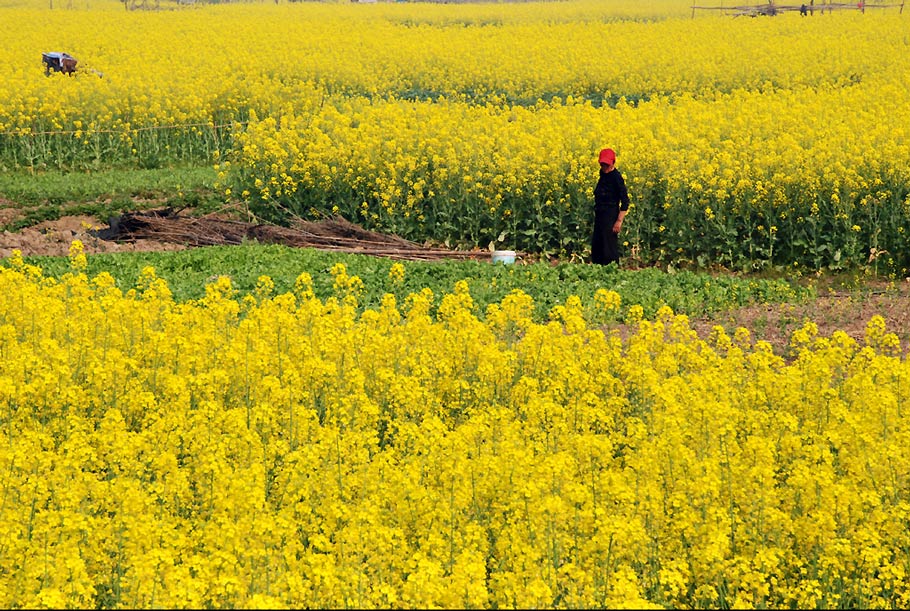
(337, 234)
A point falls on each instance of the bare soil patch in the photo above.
(847, 311)
(8, 214)
(53, 238)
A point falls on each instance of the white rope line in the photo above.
(90, 132)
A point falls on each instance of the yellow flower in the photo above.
(78, 260)
(396, 273)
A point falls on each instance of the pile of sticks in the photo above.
(336, 234)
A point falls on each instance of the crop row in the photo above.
(549, 285)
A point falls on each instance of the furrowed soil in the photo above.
(847, 306)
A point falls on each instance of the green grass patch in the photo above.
(59, 187)
(187, 272)
(49, 195)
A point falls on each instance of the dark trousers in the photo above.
(605, 243)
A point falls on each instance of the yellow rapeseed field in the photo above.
(283, 451)
(747, 142)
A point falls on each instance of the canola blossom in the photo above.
(280, 450)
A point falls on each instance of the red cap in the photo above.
(608, 156)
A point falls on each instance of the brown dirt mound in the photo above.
(53, 238)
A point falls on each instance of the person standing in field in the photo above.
(611, 203)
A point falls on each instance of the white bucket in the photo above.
(506, 257)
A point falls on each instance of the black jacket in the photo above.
(610, 191)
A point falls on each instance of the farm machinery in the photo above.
(58, 62)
